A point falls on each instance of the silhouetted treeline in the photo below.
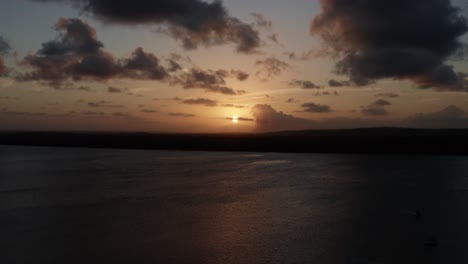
(369, 140)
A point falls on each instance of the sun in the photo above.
(235, 119)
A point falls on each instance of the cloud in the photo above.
(262, 21)
(450, 117)
(93, 113)
(387, 95)
(4, 47)
(271, 66)
(374, 111)
(376, 108)
(76, 54)
(145, 66)
(241, 119)
(268, 119)
(208, 80)
(274, 38)
(111, 89)
(327, 93)
(240, 75)
(4, 50)
(315, 108)
(233, 105)
(148, 111)
(381, 102)
(304, 84)
(9, 98)
(104, 104)
(194, 22)
(181, 115)
(6, 111)
(75, 37)
(404, 39)
(201, 101)
(335, 83)
(84, 88)
(3, 68)
(304, 56)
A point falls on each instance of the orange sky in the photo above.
(272, 66)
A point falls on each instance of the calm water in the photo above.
(125, 206)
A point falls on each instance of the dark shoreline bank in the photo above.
(354, 141)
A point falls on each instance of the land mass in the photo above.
(358, 141)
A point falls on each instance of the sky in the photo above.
(194, 66)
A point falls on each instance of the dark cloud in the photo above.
(291, 100)
(335, 83)
(401, 39)
(240, 75)
(9, 98)
(111, 89)
(381, 102)
(327, 93)
(84, 88)
(4, 50)
(6, 111)
(174, 66)
(145, 66)
(194, 22)
(268, 119)
(75, 37)
(208, 80)
(4, 47)
(233, 105)
(271, 66)
(181, 115)
(237, 74)
(104, 104)
(303, 57)
(274, 38)
(93, 113)
(376, 108)
(77, 54)
(148, 111)
(315, 108)
(449, 117)
(387, 95)
(99, 66)
(304, 84)
(262, 21)
(374, 111)
(47, 68)
(201, 101)
(3, 68)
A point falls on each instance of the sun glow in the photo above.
(235, 119)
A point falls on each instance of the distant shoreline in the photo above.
(355, 141)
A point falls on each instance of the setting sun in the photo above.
(235, 119)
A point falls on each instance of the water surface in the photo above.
(71, 205)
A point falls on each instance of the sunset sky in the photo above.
(192, 65)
